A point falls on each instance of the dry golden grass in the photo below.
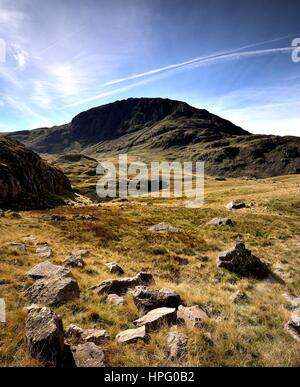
(243, 335)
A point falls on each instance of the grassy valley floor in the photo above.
(250, 334)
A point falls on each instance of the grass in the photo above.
(242, 335)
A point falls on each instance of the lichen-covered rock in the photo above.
(177, 345)
(53, 291)
(241, 261)
(163, 227)
(44, 335)
(116, 300)
(96, 336)
(147, 299)
(220, 222)
(293, 327)
(236, 205)
(156, 318)
(74, 261)
(17, 246)
(88, 355)
(44, 250)
(132, 335)
(47, 269)
(121, 286)
(114, 268)
(192, 316)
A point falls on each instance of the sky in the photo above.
(231, 57)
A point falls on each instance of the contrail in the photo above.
(191, 61)
(202, 61)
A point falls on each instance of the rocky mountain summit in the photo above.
(172, 130)
(26, 180)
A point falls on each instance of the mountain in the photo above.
(162, 128)
(26, 180)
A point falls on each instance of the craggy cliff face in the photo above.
(26, 180)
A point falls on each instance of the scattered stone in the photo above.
(192, 316)
(74, 261)
(53, 291)
(121, 286)
(114, 268)
(44, 251)
(57, 218)
(47, 269)
(220, 222)
(147, 299)
(13, 215)
(156, 318)
(293, 301)
(86, 217)
(44, 335)
(220, 179)
(18, 246)
(177, 345)
(132, 335)
(241, 261)
(293, 327)
(116, 300)
(163, 227)
(96, 336)
(88, 355)
(236, 205)
(83, 253)
(239, 298)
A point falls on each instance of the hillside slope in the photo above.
(160, 128)
(26, 180)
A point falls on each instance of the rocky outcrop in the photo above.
(241, 261)
(177, 345)
(116, 300)
(293, 327)
(44, 335)
(114, 268)
(220, 222)
(79, 335)
(121, 286)
(26, 180)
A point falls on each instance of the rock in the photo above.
(88, 355)
(132, 335)
(114, 299)
(44, 251)
(236, 205)
(47, 269)
(156, 318)
(74, 261)
(239, 298)
(241, 261)
(114, 268)
(13, 215)
(121, 286)
(57, 218)
(2, 213)
(293, 301)
(96, 336)
(293, 327)
(83, 253)
(18, 246)
(147, 299)
(163, 227)
(177, 345)
(220, 222)
(44, 335)
(53, 291)
(192, 316)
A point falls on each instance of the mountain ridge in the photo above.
(172, 130)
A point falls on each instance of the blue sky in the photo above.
(232, 57)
